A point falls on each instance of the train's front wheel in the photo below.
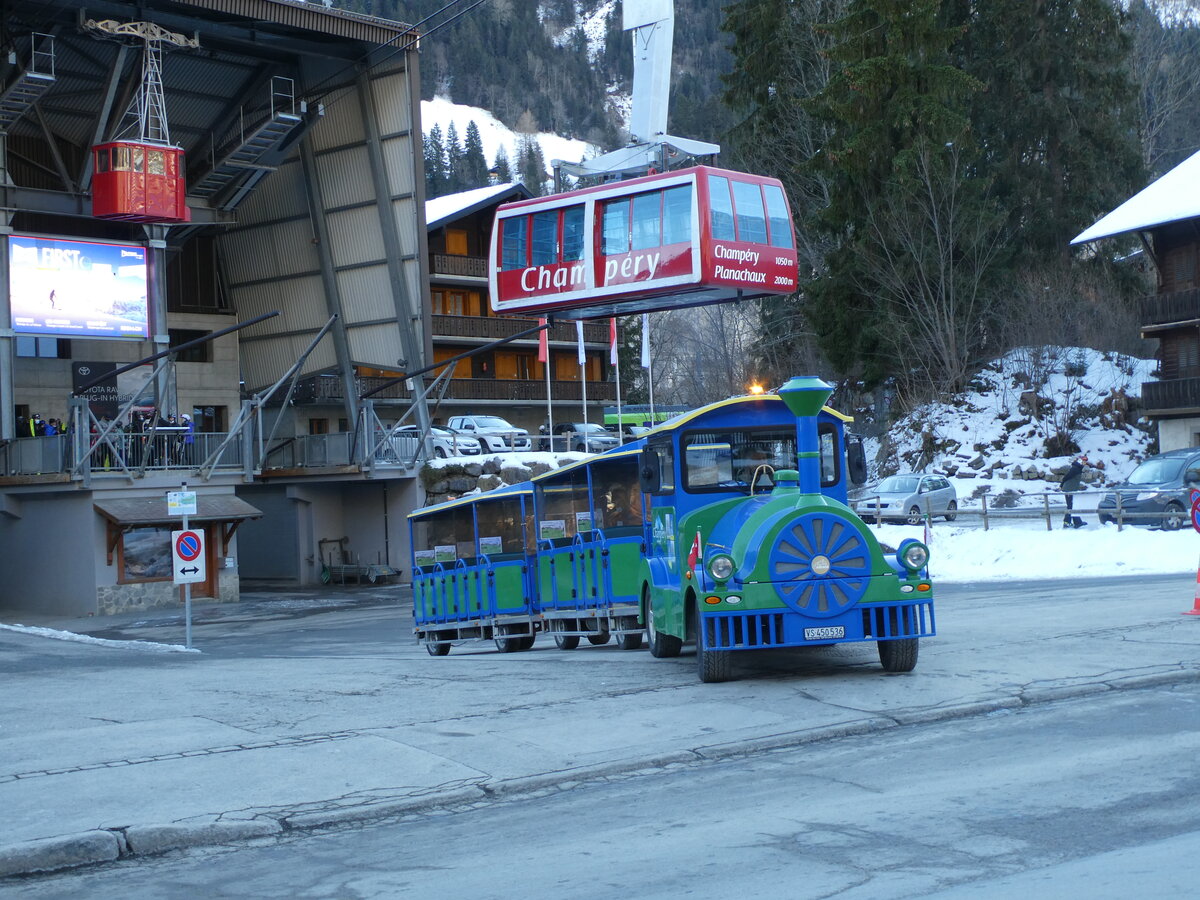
(566, 641)
(711, 665)
(898, 655)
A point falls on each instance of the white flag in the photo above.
(579, 335)
(645, 340)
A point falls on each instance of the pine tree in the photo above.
(531, 164)
(474, 167)
(501, 168)
(454, 161)
(435, 163)
(1058, 122)
(898, 110)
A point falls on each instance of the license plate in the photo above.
(824, 634)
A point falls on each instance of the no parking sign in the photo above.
(1196, 510)
(187, 557)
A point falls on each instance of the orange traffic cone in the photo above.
(1195, 610)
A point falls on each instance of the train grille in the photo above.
(915, 620)
(744, 631)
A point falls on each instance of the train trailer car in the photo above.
(591, 537)
(472, 565)
(746, 552)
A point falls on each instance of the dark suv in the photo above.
(1158, 492)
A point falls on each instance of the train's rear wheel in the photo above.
(435, 649)
(599, 639)
(899, 655)
(566, 641)
(662, 646)
(629, 641)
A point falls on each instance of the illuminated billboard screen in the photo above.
(80, 289)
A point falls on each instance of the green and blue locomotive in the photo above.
(726, 527)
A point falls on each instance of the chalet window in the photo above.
(456, 241)
(1181, 355)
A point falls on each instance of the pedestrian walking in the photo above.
(1072, 483)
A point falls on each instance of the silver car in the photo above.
(445, 441)
(907, 498)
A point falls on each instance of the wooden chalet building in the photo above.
(1166, 216)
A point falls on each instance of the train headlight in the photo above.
(720, 567)
(913, 555)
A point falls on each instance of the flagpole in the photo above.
(646, 363)
(582, 367)
(616, 361)
(544, 356)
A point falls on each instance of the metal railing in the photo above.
(1047, 506)
(56, 454)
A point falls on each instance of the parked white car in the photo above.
(445, 441)
(497, 435)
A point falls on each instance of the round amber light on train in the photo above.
(712, 601)
(721, 567)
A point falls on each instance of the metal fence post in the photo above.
(983, 497)
(1119, 514)
(1046, 506)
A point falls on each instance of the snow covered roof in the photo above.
(1173, 198)
(440, 210)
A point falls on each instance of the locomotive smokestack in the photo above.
(804, 396)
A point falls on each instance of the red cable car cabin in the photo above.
(686, 238)
(138, 182)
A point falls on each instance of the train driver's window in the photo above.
(708, 465)
(677, 215)
(545, 239)
(514, 243)
(647, 220)
(751, 220)
(615, 226)
(831, 455)
(720, 208)
(777, 216)
(572, 234)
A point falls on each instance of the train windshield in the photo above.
(727, 460)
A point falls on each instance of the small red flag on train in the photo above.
(694, 553)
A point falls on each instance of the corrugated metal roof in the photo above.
(309, 16)
(153, 510)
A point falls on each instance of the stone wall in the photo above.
(448, 482)
(122, 598)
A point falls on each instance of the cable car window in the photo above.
(120, 159)
(647, 221)
(102, 159)
(514, 243)
(677, 215)
(777, 214)
(616, 227)
(720, 208)
(545, 239)
(138, 159)
(572, 238)
(751, 220)
(154, 162)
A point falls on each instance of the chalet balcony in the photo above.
(1163, 309)
(493, 328)
(1176, 396)
(458, 266)
(328, 389)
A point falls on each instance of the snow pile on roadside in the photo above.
(144, 646)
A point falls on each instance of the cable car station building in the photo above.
(174, 168)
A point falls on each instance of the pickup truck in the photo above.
(495, 434)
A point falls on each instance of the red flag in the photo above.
(543, 342)
(612, 341)
(694, 553)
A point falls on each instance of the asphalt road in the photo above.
(1090, 797)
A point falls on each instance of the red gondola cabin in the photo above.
(138, 182)
(685, 238)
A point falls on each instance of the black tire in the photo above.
(439, 452)
(1104, 520)
(599, 639)
(526, 643)
(914, 516)
(952, 511)
(1173, 517)
(579, 448)
(436, 649)
(899, 655)
(566, 641)
(629, 641)
(662, 646)
(712, 666)
(505, 643)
